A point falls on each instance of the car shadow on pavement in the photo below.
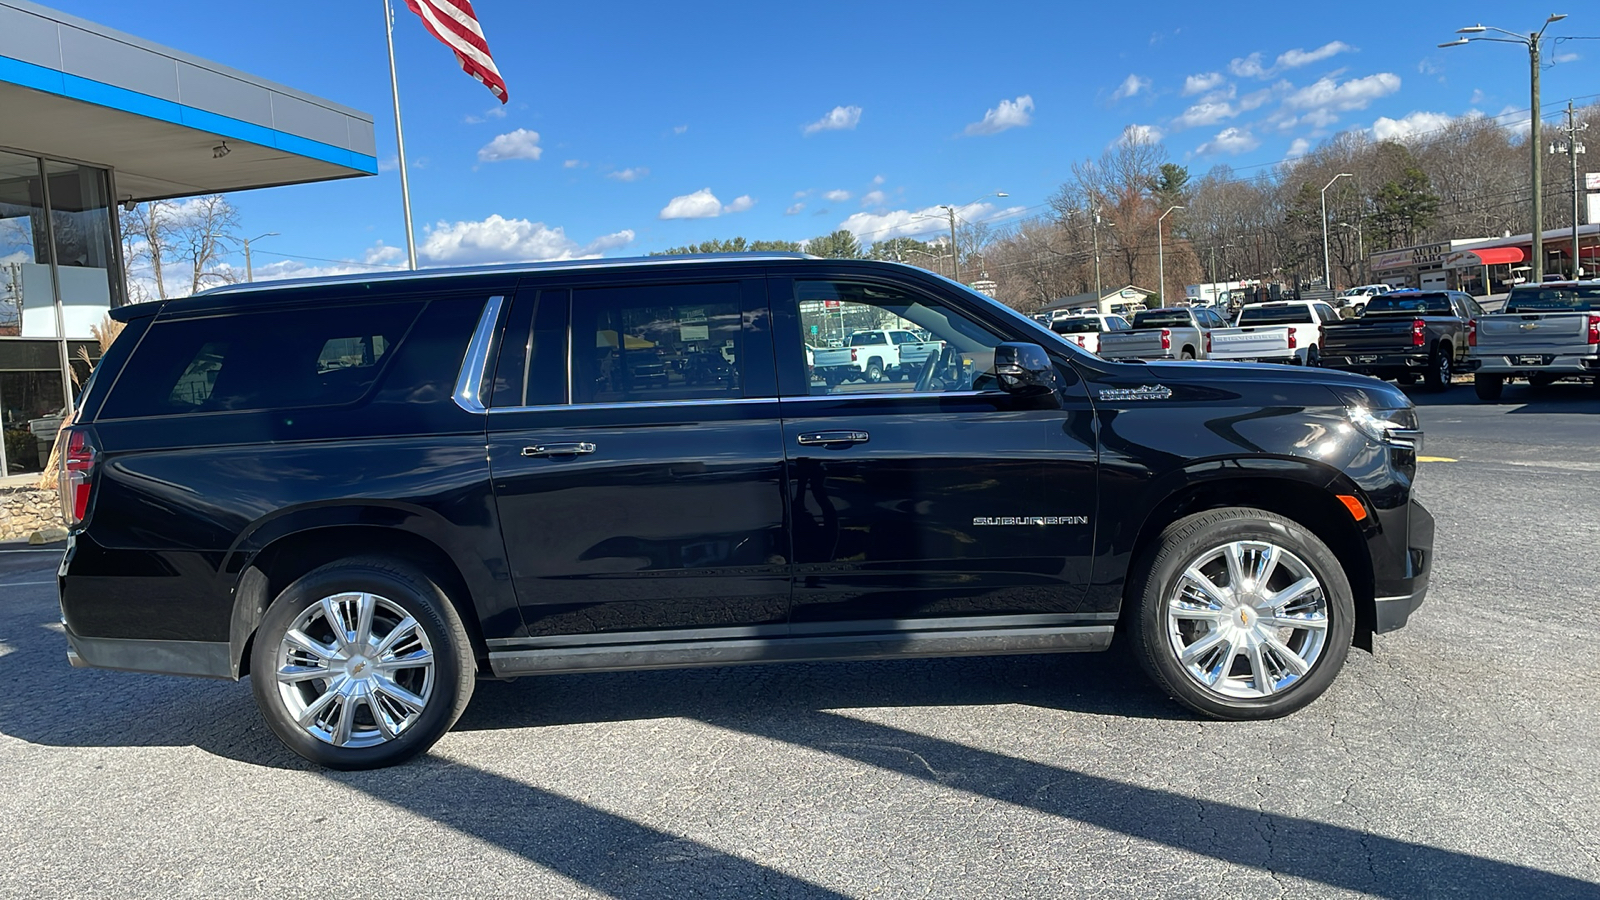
(1565, 397)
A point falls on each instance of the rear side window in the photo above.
(324, 356)
(657, 342)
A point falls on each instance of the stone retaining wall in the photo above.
(25, 510)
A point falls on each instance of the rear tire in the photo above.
(1488, 387)
(1313, 356)
(874, 372)
(1439, 370)
(361, 664)
(1406, 378)
(1240, 644)
(1187, 354)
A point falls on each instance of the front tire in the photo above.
(1241, 614)
(361, 664)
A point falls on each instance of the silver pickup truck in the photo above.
(1175, 333)
(1545, 332)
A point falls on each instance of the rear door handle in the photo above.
(572, 448)
(825, 438)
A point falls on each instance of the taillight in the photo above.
(1208, 342)
(1472, 332)
(1166, 339)
(852, 354)
(1594, 329)
(1293, 340)
(77, 475)
(1419, 333)
(1080, 342)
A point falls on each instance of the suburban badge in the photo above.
(1142, 392)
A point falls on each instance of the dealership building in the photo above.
(93, 120)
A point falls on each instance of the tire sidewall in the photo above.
(1177, 548)
(423, 601)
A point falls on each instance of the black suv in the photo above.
(368, 492)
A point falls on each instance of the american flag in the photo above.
(454, 22)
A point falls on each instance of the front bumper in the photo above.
(1401, 579)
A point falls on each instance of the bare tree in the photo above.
(197, 234)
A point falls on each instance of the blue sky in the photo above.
(663, 124)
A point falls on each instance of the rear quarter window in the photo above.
(295, 358)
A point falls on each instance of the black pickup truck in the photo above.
(1403, 334)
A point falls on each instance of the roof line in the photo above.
(501, 269)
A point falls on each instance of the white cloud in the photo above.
(701, 204)
(1232, 141)
(1403, 129)
(1199, 84)
(679, 129)
(1255, 100)
(1298, 148)
(842, 118)
(519, 144)
(932, 220)
(572, 164)
(1205, 113)
(1320, 118)
(1296, 58)
(1132, 86)
(628, 174)
(1328, 94)
(1009, 114)
(838, 196)
(1566, 58)
(877, 179)
(1478, 96)
(377, 258)
(873, 198)
(794, 209)
(389, 164)
(1140, 134)
(1516, 121)
(498, 112)
(739, 204)
(501, 240)
(1248, 67)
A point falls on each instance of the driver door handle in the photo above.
(545, 451)
(826, 438)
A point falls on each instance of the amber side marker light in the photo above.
(1358, 511)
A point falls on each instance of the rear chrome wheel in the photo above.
(1240, 613)
(361, 664)
(355, 670)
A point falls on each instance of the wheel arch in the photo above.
(287, 551)
(1304, 492)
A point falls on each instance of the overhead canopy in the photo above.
(1488, 256)
(75, 90)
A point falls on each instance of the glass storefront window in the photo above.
(25, 279)
(86, 268)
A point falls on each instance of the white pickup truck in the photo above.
(873, 356)
(1545, 332)
(1287, 331)
(1085, 330)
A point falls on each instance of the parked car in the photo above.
(486, 492)
(1085, 330)
(1358, 296)
(1171, 333)
(1404, 334)
(876, 355)
(1545, 332)
(1286, 331)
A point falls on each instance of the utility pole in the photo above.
(955, 255)
(1572, 148)
(1094, 229)
(1537, 170)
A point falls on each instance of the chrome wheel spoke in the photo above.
(347, 717)
(317, 707)
(1260, 673)
(1294, 593)
(296, 674)
(1197, 651)
(1208, 589)
(1266, 564)
(1234, 555)
(389, 689)
(333, 609)
(366, 605)
(417, 660)
(303, 642)
(405, 629)
(1314, 621)
(1290, 659)
(1179, 609)
(380, 715)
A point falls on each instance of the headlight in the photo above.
(1391, 427)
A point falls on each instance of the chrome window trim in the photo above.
(469, 382)
(720, 401)
(881, 395)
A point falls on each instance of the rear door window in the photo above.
(657, 342)
(273, 359)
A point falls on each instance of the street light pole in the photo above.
(1572, 148)
(249, 270)
(1327, 269)
(1532, 41)
(1161, 254)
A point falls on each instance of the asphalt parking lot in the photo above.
(1458, 761)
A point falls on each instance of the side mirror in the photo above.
(1025, 370)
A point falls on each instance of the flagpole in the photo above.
(400, 137)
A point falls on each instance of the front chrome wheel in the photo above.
(1247, 619)
(355, 669)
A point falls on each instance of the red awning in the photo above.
(1495, 256)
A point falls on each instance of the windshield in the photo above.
(1075, 325)
(1162, 318)
(1539, 298)
(1434, 304)
(1275, 315)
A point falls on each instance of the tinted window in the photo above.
(1076, 325)
(261, 360)
(656, 342)
(533, 357)
(1434, 304)
(1275, 315)
(1162, 318)
(1118, 323)
(1536, 298)
(866, 339)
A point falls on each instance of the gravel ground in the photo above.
(1456, 761)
